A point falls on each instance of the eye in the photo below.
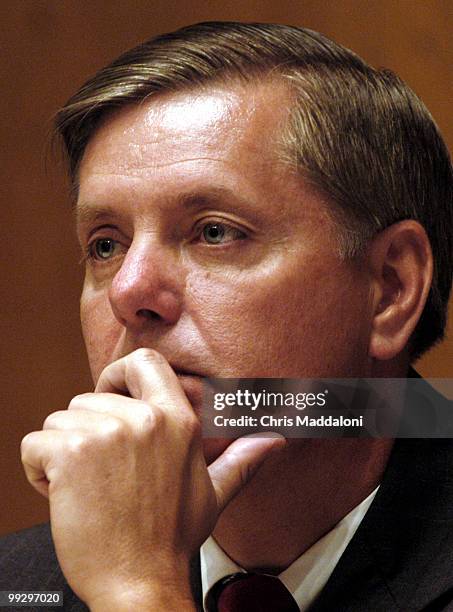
(103, 248)
(218, 233)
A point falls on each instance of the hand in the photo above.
(131, 499)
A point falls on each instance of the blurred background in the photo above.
(49, 49)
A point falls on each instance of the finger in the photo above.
(118, 406)
(104, 414)
(37, 450)
(146, 375)
(93, 418)
(235, 467)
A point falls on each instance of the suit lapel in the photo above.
(401, 557)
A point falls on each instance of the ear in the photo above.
(402, 267)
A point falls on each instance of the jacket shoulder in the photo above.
(28, 562)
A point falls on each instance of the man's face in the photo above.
(203, 246)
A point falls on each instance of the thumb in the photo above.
(235, 467)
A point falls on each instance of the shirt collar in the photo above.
(306, 576)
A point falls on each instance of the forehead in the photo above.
(184, 146)
(209, 123)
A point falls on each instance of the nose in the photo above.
(148, 287)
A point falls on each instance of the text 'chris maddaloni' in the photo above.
(246, 410)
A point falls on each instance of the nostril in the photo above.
(149, 315)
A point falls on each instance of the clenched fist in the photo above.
(131, 498)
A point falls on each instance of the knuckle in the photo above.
(114, 429)
(149, 420)
(191, 425)
(242, 469)
(25, 445)
(51, 420)
(77, 445)
(79, 401)
(244, 472)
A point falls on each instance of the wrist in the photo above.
(157, 601)
(162, 593)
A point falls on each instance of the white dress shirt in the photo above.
(307, 575)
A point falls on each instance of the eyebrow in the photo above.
(86, 213)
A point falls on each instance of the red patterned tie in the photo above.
(250, 593)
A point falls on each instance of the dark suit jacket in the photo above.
(400, 559)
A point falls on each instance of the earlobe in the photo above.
(401, 264)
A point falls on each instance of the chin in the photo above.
(193, 388)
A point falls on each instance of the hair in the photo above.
(359, 135)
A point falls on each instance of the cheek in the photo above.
(101, 331)
(323, 328)
(302, 318)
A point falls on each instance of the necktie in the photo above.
(250, 593)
